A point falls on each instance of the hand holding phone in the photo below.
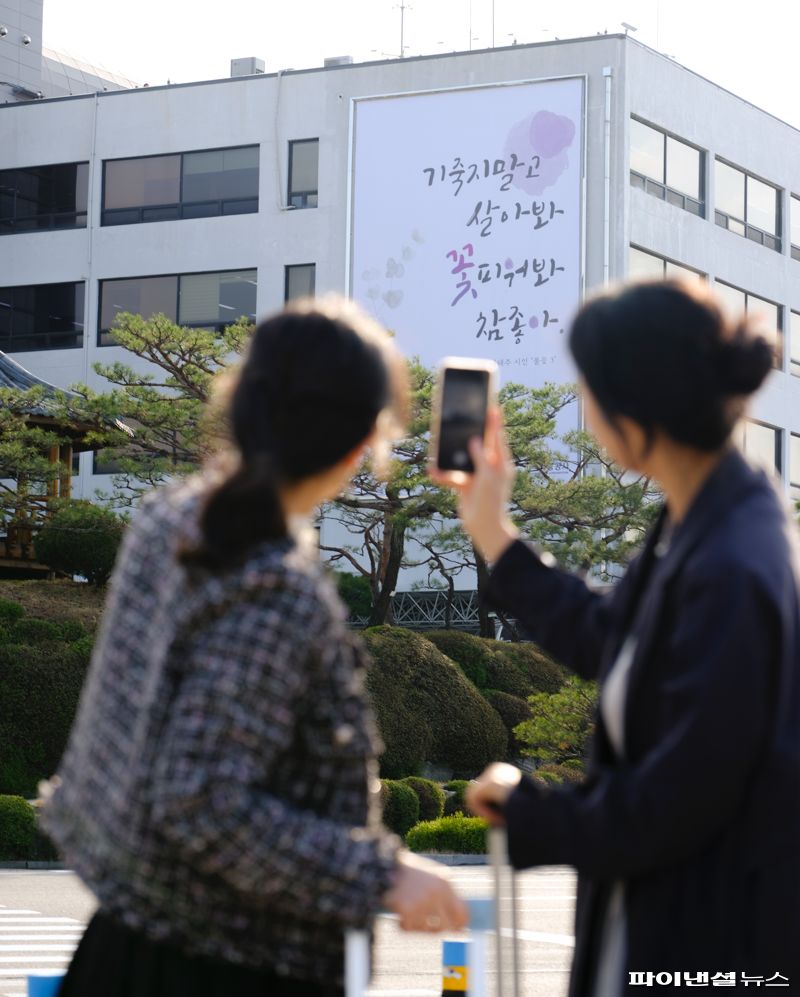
(465, 389)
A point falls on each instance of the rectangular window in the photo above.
(304, 173)
(299, 281)
(767, 314)
(41, 317)
(761, 443)
(747, 206)
(647, 266)
(794, 467)
(794, 225)
(666, 167)
(181, 185)
(794, 343)
(208, 300)
(105, 463)
(44, 198)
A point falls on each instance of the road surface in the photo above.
(42, 915)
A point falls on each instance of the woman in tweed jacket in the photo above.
(219, 790)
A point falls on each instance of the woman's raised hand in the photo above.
(423, 898)
(483, 496)
(487, 795)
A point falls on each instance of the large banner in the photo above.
(466, 222)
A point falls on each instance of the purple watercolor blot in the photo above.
(533, 322)
(509, 264)
(542, 139)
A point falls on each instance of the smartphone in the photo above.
(464, 390)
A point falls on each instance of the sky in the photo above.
(750, 49)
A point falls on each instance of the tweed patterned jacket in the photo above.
(219, 788)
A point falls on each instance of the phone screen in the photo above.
(465, 399)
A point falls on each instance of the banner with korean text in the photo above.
(466, 227)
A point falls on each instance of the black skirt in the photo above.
(114, 961)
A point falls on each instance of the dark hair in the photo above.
(665, 354)
(316, 380)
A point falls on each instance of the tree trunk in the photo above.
(448, 609)
(393, 549)
(486, 624)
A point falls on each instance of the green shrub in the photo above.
(17, 828)
(431, 797)
(39, 690)
(540, 672)
(463, 835)
(454, 803)
(355, 592)
(33, 631)
(556, 774)
(562, 723)
(427, 710)
(72, 630)
(10, 611)
(400, 806)
(513, 711)
(81, 539)
(471, 654)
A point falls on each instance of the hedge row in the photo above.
(464, 835)
(427, 710)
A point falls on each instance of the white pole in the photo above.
(356, 963)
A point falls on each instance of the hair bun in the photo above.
(745, 361)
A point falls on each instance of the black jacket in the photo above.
(702, 820)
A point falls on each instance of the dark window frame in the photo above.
(296, 266)
(753, 232)
(665, 260)
(153, 276)
(8, 345)
(794, 249)
(304, 196)
(794, 486)
(794, 365)
(178, 209)
(781, 329)
(778, 431)
(52, 215)
(660, 189)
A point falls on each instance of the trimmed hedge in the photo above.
(81, 539)
(539, 672)
(513, 711)
(39, 689)
(17, 829)
(427, 710)
(463, 835)
(32, 631)
(470, 653)
(431, 797)
(455, 802)
(10, 611)
(400, 806)
(555, 774)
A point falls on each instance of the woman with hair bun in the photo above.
(219, 792)
(686, 832)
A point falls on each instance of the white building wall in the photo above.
(270, 111)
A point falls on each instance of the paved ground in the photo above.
(43, 913)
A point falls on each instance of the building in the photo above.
(214, 199)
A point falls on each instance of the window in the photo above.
(747, 206)
(767, 314)
(794, 467)
(761, 443)
(647, 266)
(41, 317)
(303, 173)
(794, 225)
(208, 300)
(184, 185)
(44, 197)
(104, 463)
(666, 167)
(794, 344)
(299, 281)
